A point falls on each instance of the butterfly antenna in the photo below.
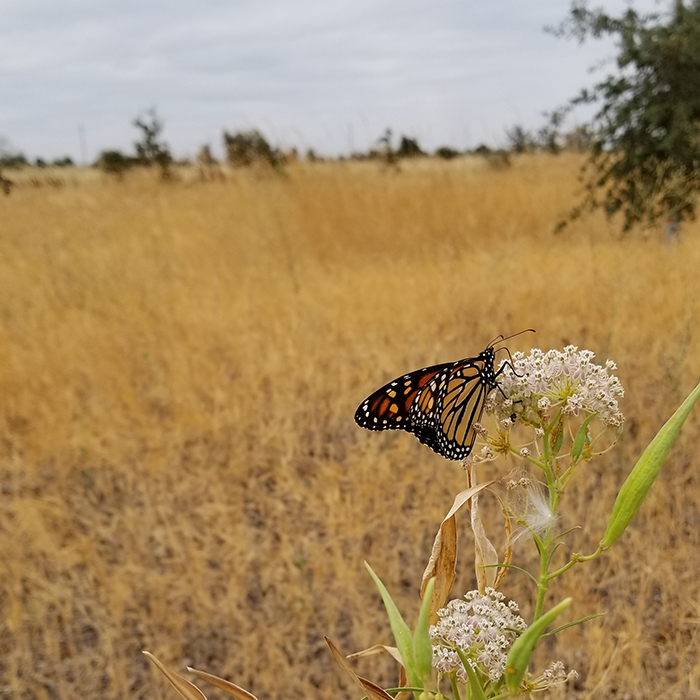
(497, 339)
(502, 339)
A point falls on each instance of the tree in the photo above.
(644, 161)
(244, 148)
(150, 150)
(409, 148)
(520, 140)
(386, 149)
(446, 153)
(114, 163)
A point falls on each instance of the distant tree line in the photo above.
(250, 148)
(19, 160)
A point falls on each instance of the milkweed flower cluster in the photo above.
(544, 382)
(483, 627)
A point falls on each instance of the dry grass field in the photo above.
(179, 466)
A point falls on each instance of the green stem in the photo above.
(455, 689)
(549, 473)
(543, 581)
(562, 570)
(532, 460)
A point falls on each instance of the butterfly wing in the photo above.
(406, 403)
(438, 404)
(461, 402)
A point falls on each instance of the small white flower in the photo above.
(524, 452)
(483, 627)
(559, 378)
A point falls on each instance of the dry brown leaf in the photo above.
(374, 692)
(228, 687)
(442, 565)
(443, 558)
(188, 690)
(403, 682)
(378, 649)
(485, 554)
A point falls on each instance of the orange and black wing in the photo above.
(439, 405)
(403, 404)
(461, 401)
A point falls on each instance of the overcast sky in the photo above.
(326, 74)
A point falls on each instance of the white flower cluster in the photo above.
(568, 379)
(483, 626)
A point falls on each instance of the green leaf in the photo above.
(402, 633)
(422, 646)
(580, 621)
(638, 483)
(580, 439)
(521, 651)
(476, 691)
(556, 436)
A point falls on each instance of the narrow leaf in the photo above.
(556, 630)
(402, 634)
(187, 690)
(642, 476)
(580, 439)
(556, 436)
(228, 687)
(422, 646)
(521, 651)
(476, 691)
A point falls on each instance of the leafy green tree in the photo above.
(645, 136)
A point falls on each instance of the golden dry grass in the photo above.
(179, 467)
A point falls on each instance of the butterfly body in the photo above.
(440, 405)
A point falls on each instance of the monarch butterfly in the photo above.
(439, 405)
